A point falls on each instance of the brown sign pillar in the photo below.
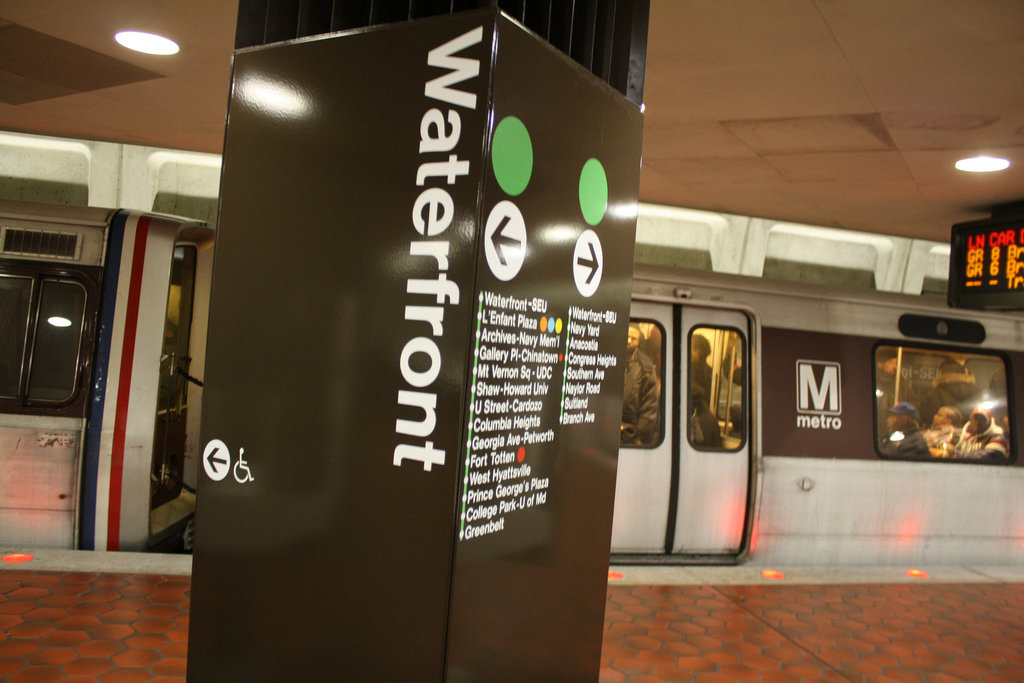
(415, 359)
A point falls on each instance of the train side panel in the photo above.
(39, 466)
(831, 485)
(827, 497)
(858, 512)
(120, 519)
(45, 361)
(84, 399)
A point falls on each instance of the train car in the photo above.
(102, 341)
(808, 426)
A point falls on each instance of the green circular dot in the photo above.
(593, 191)
(512, 155)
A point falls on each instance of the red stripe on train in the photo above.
(124, 386)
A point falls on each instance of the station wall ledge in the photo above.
(80, 172)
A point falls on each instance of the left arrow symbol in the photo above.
(216, 459)
(502, 241)
(505, 240)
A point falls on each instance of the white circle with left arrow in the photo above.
(505, 240)
(587, 263)
(216, 459)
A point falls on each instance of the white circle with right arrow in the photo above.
(505, 240)
(587, 263)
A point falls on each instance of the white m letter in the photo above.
(811, 393)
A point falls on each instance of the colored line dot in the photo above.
(512, 155)
(593, 191)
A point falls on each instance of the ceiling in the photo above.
(843, 113)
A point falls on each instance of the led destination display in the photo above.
(987, 264)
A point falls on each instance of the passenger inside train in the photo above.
(982, 438)
(716, 388)
(942, 387)
(903, 437)
(944, 431)
(641, 394)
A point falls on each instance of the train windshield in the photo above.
(55, 353)
(941, 405)
(43, 317)
(15, 296)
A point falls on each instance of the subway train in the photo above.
(768, 435)
(101, 362)
(800, 425)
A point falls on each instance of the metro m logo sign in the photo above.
(819, 400)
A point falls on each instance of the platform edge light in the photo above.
(149, 43)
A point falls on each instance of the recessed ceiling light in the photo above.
(982, 164)
(149, 43)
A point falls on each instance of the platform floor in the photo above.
(94, 623)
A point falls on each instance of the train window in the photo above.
(717, 410)
(174, 356)
(15, 295)
(642, 403)
(933, 404)
(44, 314)
(55, 352)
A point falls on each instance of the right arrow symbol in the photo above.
(589, 262)
(587, 265)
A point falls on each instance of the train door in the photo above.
(684, 495)
(170, 496)
(712, 478)
(643, 484)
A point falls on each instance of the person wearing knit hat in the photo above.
(904, 438)
(981, 438)
(955, 386)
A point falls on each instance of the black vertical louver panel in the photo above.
(607, 37)
(252, 23)
(347, 15)
(537, 18)
(314, 17)
(282, 20)
(387, 11)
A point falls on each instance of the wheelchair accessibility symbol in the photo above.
(217, 463)
(241, 469)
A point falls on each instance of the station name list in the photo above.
(533, 374)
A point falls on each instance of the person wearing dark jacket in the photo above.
(904, 438)
(641, 395)
(955, 386)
